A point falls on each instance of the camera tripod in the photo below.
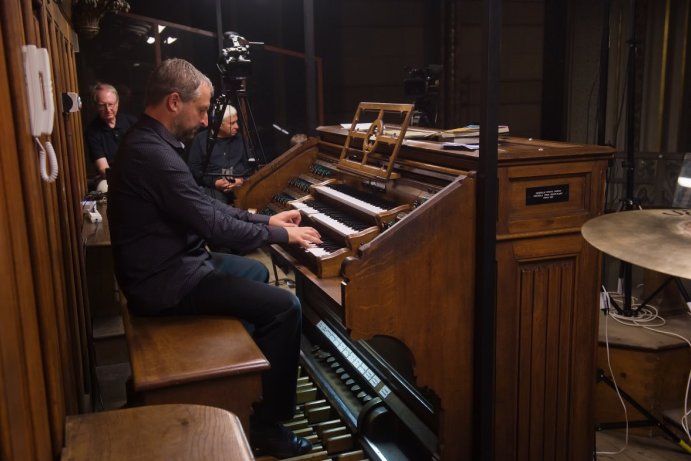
(236, 96)
(235, 66)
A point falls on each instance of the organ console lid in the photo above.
(374, 139)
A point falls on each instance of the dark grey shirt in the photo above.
(160, 221)
(227, 153)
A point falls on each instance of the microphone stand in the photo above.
(629, 202)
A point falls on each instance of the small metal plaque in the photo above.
(547, 194)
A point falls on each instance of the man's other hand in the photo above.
(290, 218)
(303, 236)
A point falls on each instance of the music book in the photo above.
(461, 146)
(469, 134)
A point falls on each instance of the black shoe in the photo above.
(275, 440)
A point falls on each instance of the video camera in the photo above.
(422, 81)
(234, 61)
(235, 66)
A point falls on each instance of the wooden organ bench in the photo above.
(156, 433)
(205, 360)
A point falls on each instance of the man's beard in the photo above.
(183, 134)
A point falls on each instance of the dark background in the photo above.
(552, 73)
(366, 49)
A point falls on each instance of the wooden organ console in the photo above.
(388, 300)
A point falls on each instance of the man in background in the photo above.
(224, 170)
(105, 131)
(160, 222)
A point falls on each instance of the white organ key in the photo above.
(356, 203)
(333, 224)
(303, 207)
(317, 251)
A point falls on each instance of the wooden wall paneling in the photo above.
(75, 147)
(56, 30)
(73, 121)
(52, 227)
(448, 95)
(521, 64)
(65, 385)
(19, 438)
(24, 422)
(64, 373)
(65, 220)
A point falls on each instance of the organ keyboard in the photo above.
(389, 304)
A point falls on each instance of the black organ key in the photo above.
(339, 215)
(364, 196)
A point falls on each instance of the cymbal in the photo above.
(659, 240)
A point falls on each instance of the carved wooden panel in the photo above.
(546, 333)
(543, 198)
(434, 319)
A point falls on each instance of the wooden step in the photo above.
(156, 433)
(650, 366)
(110, 345)
(112, 385)
(108, 327)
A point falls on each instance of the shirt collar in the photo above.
(161, 130)
(104, 126)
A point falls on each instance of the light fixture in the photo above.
(684, 181)
(87, 14)
(150, 40)
(170, 40)
(682, 193)
(161, 28)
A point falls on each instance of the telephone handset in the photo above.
(39, 88)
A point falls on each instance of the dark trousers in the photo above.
(238, 287)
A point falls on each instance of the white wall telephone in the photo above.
(39, 89)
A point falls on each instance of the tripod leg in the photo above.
(656, 422)
(684, 293)
(654, 293)
(680, 286)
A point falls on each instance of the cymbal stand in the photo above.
(650, 420)
(629, 202)
(680, 287)
(625, 270)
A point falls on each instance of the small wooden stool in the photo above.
(156, 432)
(204, 360)
(649, 366)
